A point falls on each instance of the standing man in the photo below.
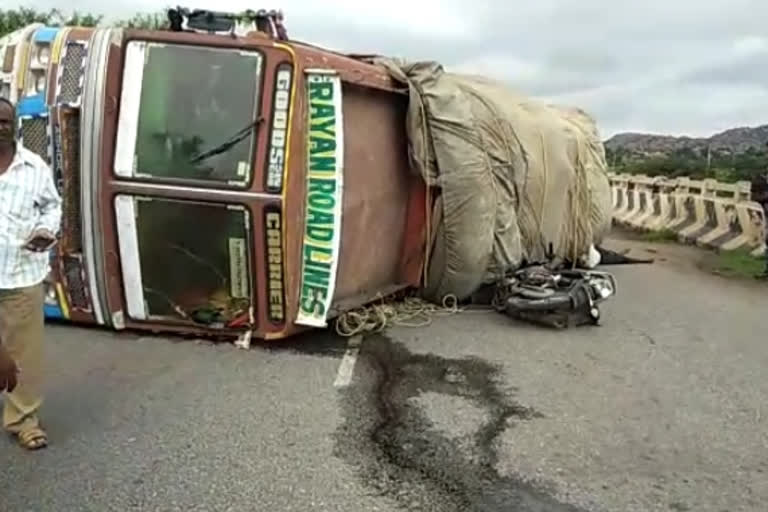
(30, 214)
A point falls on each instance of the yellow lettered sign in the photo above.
(325, 180)
(273, 229)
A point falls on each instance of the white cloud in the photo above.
(676, 66)
(750, 45)
(506, 67)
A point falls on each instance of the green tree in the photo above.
(15, 19)
(726, 167)
(76, 19)
(145, 21)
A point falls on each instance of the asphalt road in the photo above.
(662, 408)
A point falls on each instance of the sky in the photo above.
(681, 67)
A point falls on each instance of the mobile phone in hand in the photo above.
(40, 243)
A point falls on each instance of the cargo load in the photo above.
(519, 180)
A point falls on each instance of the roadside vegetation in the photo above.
(665, 235)
(737, 264)
(723, 166)
(14, 19)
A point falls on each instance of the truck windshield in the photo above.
(189, 113)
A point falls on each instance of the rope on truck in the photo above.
(407, 312)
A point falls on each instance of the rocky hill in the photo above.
(733, 155)
(733, 141)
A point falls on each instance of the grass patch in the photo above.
(739, 263)
(664, 235)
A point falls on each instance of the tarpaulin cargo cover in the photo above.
(515, 175)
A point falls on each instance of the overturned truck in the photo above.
(221, 179)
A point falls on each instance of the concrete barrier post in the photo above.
(707, 213)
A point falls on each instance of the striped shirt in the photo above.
(28, 201)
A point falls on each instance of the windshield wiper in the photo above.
(225, 146)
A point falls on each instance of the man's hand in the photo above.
(8, 371)
(40, 240)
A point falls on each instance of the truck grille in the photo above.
(71, 77)
(34, 136)
(69, 120)
(75, 278)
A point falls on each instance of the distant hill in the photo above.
(731, 155)
(735, 140)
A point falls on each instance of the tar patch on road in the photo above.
(398, 453)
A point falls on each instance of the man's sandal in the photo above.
(33, 438)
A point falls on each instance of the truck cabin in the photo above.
(218, 178)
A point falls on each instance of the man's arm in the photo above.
(49, 203)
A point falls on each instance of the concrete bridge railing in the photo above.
(702, 212)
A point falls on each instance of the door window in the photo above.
(185, 260)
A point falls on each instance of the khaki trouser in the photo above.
(21, 328)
